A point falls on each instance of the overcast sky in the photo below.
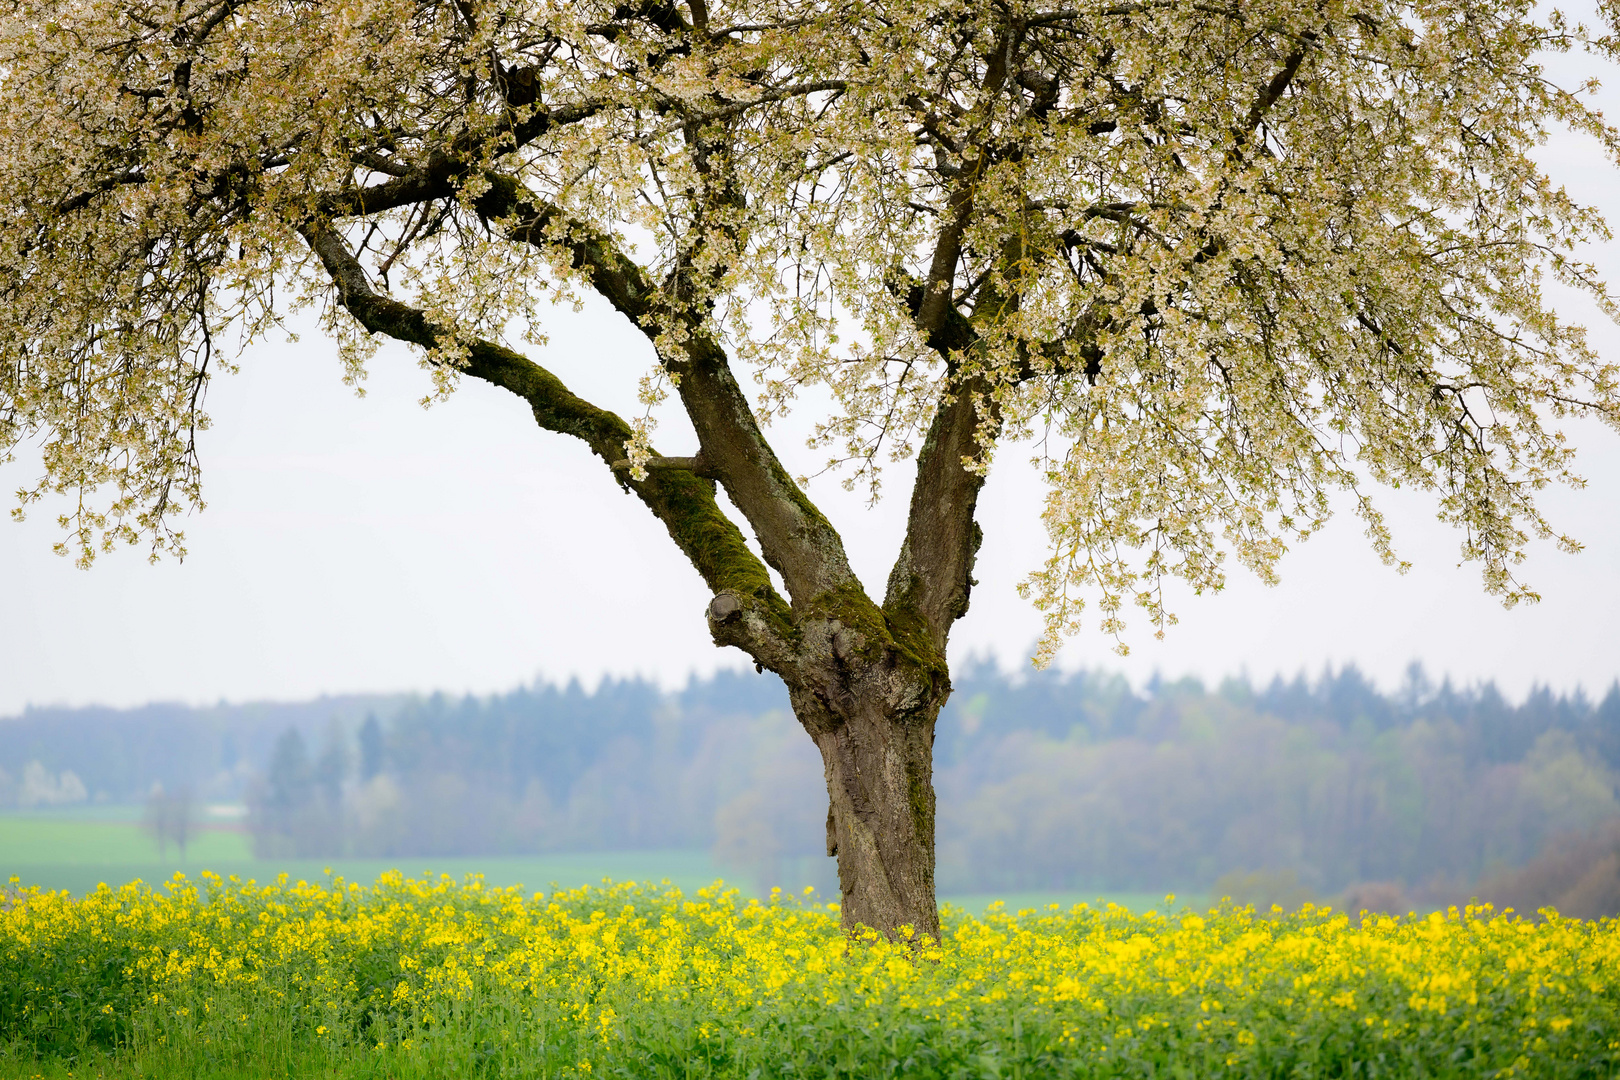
(371, 545)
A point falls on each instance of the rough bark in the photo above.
(868, 693)
(878, 760)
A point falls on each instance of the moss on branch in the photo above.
(684, 502)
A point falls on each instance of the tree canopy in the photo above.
(1223, 258)
(1229, 257)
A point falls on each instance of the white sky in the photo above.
(359, 545)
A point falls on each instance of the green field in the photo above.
(53, 841)
(77, 854)
(80, 848)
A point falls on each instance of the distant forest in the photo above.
(1326, 788)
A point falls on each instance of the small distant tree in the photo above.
(169, 816)
(332, 767)
(1225, 257)
(371, 748)
(281, 805)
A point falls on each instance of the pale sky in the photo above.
(371, 545)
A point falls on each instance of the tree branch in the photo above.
(694, 465)
(1278, 84)
(933, 576)
(762, 624)
(433, 177)
(938, 286)
(796, 538)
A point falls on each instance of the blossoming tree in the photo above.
(1226, 257)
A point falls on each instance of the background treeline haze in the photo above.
(1325, 788)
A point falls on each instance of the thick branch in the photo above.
(694, 465)
(1278, 84)
(433, 177)
(684, 502)
(951, 332)
(933, 576)
(794, 535)
(932, 579)
(942, 265)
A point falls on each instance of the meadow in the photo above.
(78, 848)
(78, 855)
(435, 978)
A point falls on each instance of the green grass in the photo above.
(71, 850)
(50, 841)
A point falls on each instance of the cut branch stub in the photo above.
(725, 607)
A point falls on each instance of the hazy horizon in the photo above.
(591, 683)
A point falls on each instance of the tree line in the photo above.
(1324, 787)
(1419, 795)
(1315, 787)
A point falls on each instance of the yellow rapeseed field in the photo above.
(439, 978)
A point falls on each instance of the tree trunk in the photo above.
(872, 717)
